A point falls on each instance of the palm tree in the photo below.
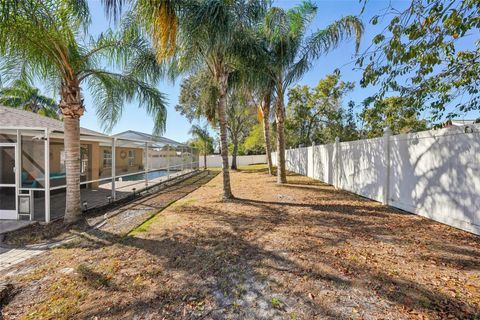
(157, 18)
(44, 40)
(22, 95)
(215, 37)
(290, 54)
(265, 86)
(203, 135)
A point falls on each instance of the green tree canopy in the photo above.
(255, 141)
(394, 112)
(316, 115)
(429, 54)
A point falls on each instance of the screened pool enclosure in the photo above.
(32, 169)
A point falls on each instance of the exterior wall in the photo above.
(435, 174)
(56, 147)
(122, 166)
(215, 161)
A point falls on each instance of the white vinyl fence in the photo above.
(215, 161)
(435, 174)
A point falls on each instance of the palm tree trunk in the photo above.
(280, 117)
(221, 105)
(234, 154)
(71, 105)
(266, 131)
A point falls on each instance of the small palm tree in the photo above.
(22, 95)
(290, 54)
(203, 135)
(46, 40)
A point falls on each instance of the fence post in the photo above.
(387, 132)
(337, 164)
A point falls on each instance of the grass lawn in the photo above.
(297, 251)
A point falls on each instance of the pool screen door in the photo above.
(8, 191)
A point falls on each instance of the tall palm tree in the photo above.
(290, 53)
(22, 95)
(215, 36)
(45, 40)
(203, 135)
(265, 88)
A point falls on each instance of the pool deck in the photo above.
(100, 196)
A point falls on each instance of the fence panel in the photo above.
(215, 161)
(362, 167)
(297, 160)
(435, 173)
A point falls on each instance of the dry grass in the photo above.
(296, 251)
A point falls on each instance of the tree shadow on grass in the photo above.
(222, 262)
(225, 258)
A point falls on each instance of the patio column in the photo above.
(47, 175)
(168, 162)
(114, 145)
(146, 164)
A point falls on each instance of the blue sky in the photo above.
(343, 58)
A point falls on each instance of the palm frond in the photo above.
(111, 91)
(200, 133)
(23, 95)
(323, 41)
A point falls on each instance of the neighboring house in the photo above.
(459, 123)
(25, 139)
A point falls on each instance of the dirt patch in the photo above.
(296, 251)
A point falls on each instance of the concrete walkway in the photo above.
(12, 225)
(10, 257)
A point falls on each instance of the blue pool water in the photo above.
(141, 176)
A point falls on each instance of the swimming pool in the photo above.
(141, 176)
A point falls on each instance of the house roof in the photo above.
(462, 122)
(136, 135)
(11, 117)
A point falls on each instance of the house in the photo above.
(111, 166)
(459, 122)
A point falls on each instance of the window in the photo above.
(131, 158)
(84, 157)
(62, 161)
(107, 158)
